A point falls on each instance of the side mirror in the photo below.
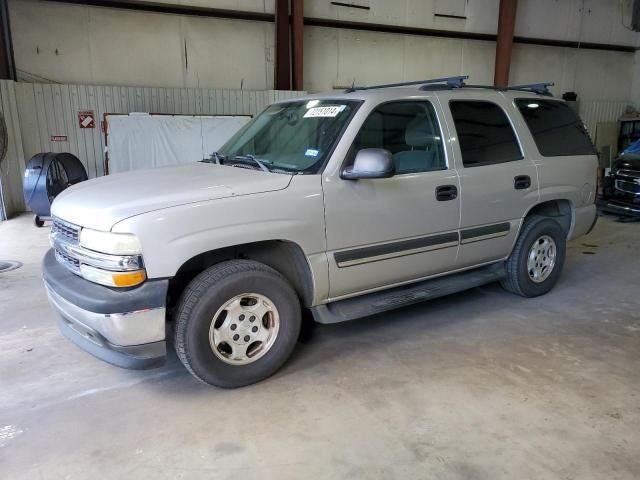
(370, 163)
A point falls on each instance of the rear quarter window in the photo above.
(555, 127)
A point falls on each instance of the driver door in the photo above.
(387, 231)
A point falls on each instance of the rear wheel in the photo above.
(535, 264)
(236, 324)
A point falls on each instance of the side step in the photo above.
(376, 302)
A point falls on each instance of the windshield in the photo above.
(294, 136)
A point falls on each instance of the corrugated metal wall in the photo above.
(593, 112)
(51, 109)
(13, 166)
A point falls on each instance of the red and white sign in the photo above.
(59, 138)
(87, 119)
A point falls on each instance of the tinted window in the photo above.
(410, 131)
(556, 128)
(484, 133)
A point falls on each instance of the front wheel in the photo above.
(535, 264)
(237, 323)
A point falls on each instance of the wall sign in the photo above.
(87, 119)
(59, 138)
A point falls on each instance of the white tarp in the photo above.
(138, 141)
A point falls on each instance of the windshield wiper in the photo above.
(216, 158)
(261, 163)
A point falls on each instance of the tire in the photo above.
(197, 316)
(518, 279)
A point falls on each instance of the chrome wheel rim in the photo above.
(244, 329)
(542, 259)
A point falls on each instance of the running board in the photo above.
(382, 301)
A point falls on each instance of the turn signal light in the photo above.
(113, 279)
(128, 279)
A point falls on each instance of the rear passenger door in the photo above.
(498, 182)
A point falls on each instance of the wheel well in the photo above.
(284, 256)
(559, 210)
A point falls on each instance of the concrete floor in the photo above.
(479, 385)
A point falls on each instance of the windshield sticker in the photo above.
(311, 152)
(327, 111)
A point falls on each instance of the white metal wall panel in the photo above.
(13, 167)
(593, 112)
(52, 109)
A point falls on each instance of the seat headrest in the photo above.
(419, 132)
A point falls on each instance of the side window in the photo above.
(556, 128)
(409, 130)
(484, 133)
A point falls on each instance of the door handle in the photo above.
(446, 192)
(521, 182)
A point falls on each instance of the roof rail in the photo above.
(451, 82)
(541, 88)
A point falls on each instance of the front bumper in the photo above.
(124, 327)
(619, 207)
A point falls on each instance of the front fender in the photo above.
(171, 236)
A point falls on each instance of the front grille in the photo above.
(71, 263)
(629, 187)
(628, 181)
(628, 173)
(65, 229)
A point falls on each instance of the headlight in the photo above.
(108, 242)
(113, 279)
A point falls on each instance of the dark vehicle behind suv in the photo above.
(621, 188)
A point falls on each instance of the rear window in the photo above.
(556, 128)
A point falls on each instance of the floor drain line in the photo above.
(7, 265)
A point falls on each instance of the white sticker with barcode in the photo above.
(326, 111)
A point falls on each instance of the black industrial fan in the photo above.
(47, 175)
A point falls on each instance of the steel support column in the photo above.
(7, 64)
(504, 41)
(282, 70)
(297, 46)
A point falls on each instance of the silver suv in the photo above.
(342, 205)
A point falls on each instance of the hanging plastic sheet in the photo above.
(139, 141)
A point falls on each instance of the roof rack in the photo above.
(451, 82)
(458, 82)
(541, 88)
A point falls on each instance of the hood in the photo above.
(102, 202)
(629, 161)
